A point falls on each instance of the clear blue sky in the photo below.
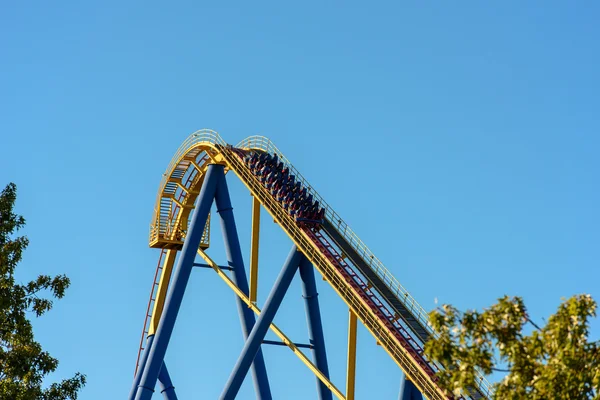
(460, 140)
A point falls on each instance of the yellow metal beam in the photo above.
(195, 165)
(182, 205)
(254, 249)
(351, 370)
(274, 328)
(186, 189)
(161, 292)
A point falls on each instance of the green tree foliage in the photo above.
(556, 361)
(23, 363)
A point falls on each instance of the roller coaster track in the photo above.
(398, 323)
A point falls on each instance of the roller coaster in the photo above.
(322, 241)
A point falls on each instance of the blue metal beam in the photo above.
(181, 276)
(141, 367)
(408, 390)
(166, 385)
(315, 326)
(259, 331)
(236, 263)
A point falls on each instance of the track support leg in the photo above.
(408, 390)
(254, 249)
(141, 367)
(351, 368)
(259, 331)
(236, 262)
(315, 326)
(166, 386)
(181, 276)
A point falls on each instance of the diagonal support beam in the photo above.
(259, 331)
(181, 276)
(315, 325)
(166, 385)
(236, 262)
(278, 332)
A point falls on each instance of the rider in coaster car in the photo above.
(315, 210)
(277, 187)
(284, 202)
(303, 192)
(258, 163)
(314, 213)
(321, 214)
(269, 176)
(265, 157)
(297, 187)
(291, 209)
(252, 162)
(309, 210)
(293, 202)
(283, 191)
(273, 181)
(300, 203)
(288, 196)
(316, 205)
(270, 159)
(264, 171)
(302, 211)
(272, 184)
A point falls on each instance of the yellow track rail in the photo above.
(171, 219)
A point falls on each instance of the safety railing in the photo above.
(264, 144)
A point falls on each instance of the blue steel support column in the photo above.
(166, 385)
(181, 276)
(236, 261)
(408, 390)
(262, 325)
(315, 327)
(141, 367)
